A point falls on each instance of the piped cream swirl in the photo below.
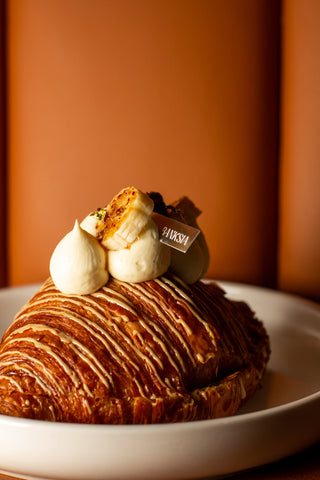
(78, 263)
(147, 257)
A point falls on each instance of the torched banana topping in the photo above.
(122, 240)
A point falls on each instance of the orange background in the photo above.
(299, 236)
(212, 99)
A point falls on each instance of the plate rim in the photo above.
(210, 427)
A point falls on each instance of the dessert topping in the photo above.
(78, 263)
(126, 215)
(129, 241)
(147, 257)
(176, 234)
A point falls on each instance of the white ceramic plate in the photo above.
(282, 418)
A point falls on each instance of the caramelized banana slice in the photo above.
(125, 217)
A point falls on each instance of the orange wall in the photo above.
(2, 150)
(178, 96)
(299, 247)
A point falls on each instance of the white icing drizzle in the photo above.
(124, 304)
(115, 346)
(28, 369)
(103, 336)
(152, 300)
(72, 375)
(165, 283)
(76, 346)
(12, 381)
(120, 339)
(116, 298)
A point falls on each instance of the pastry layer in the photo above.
(158, 351)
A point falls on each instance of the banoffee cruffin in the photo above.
(169, 348)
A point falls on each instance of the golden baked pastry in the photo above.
(149, 352)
